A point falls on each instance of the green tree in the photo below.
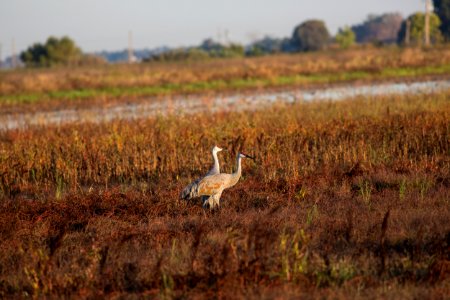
(417, 29)
(264, 46)
(442, 9)
(35, 55)
(62, 51)
(311, 35)
(55, 52)
(345, 37)
(378, 29)
(232, 50)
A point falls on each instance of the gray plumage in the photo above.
(189, 191)
(212, 186)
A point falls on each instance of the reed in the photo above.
(345, 199)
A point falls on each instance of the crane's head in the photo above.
(242, 155)
(216, 149)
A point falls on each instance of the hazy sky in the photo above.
(104, 24)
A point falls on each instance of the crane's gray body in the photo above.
(211, 187)
(189, 191)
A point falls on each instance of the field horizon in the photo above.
(64, 87)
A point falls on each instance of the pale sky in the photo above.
(104, 24)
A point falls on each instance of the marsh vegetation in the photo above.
(346, 200)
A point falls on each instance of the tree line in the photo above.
(311, 35)
(57, 52)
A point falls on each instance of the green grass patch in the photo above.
(221, 85)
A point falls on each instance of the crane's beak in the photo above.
(248, 156)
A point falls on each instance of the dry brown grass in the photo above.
(65, 88)
(154, 74)
(346, 200)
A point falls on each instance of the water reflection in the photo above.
(193, 104)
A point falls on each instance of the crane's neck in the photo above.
(237, 174)
(216, 166)
(238, 166)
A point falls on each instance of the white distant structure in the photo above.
(131, 57)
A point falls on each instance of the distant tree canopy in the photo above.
(54, 52)
(417, 29)
(215, 49)
(311, 35)
(263, 46)
(210, 45)
(268, 45)
(207, 49)
(191, 54)
(380, 29)
(345, 37)
(442, 9)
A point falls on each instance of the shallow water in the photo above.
(234, 102)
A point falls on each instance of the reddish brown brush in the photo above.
(345, 201)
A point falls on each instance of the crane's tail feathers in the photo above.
(189, 191)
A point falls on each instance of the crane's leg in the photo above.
(204, 201)
(216, 199)
(207, 202)
(212, 203)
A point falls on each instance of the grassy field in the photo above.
(105, 84)
(345, 200)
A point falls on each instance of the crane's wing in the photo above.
(190, 190)
(211, 185)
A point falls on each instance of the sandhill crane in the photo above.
(213, 185)
(215, 169)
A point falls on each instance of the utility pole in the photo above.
(13, 52)
(219, 35)
(1, 57)
(226, 37)
(427, 22)
(130, 47)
